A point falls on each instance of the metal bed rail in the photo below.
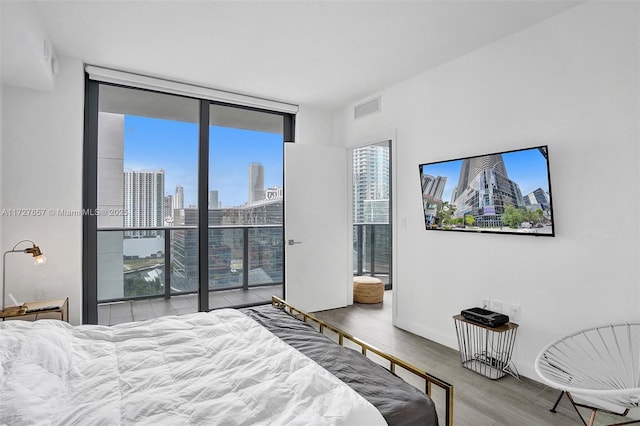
(366, 348)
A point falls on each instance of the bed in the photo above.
(260, 365)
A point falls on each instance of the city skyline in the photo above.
(151, 144)
(528, 168)
(371, 184)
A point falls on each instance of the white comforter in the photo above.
(218, 368)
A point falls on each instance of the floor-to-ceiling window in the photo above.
(372, 211)
(186, 204)
(245, 204)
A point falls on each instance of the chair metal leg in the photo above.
(575, 407)
(594, 412)
(553, 410)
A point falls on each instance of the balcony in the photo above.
(133, 285)
(245, 267)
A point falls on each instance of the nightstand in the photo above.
(42, 309)
(486, 350)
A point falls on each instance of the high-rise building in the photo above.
(538, 199)
(144, 200)
(213, 200)
(371, 184)
(484, 190)
(178, 200)
(168, 210)
(225, 246)
(256, 182)
(432, 190)
(472, 167)
(433, 186)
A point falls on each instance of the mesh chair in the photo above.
(598, 367)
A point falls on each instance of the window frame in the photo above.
(90, 191)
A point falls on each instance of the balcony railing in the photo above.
(372, 251)
(133, 262)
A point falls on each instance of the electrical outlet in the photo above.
(515, 312)
(496, 305)
(485, 303)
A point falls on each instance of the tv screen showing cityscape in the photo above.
(506, 192)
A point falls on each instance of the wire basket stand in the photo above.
(487, 350)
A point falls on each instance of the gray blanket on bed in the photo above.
(399, 402)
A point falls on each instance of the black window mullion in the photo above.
(373, 250)
(203, 208)
(167, 263)
(245, 258)
(390, 220)
(90, 201)
(360, 237)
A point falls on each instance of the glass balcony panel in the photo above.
(366, 250)
(110, 265)
(372, 250)
(382, 249)
(265, 256)
(130, 264)
(226, 248)
(356, 250)
(184, 261)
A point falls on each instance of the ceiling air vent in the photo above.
(366, 108)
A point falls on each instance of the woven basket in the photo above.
(367, 290)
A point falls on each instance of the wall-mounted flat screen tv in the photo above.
(505, 192)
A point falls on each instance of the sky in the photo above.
(527, 168)
(152, 143)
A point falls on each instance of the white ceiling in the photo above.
(324, 54)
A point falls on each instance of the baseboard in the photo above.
(428, 333)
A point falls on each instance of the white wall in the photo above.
(28, 58)
(570, 82)
(314, 126)
(42, 169)
(1, 144)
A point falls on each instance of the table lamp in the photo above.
(34, 250)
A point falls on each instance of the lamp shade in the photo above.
(38, 257)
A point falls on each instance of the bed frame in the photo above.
(366, 349)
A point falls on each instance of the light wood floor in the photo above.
(478, 401)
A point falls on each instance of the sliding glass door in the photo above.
(188, 202)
